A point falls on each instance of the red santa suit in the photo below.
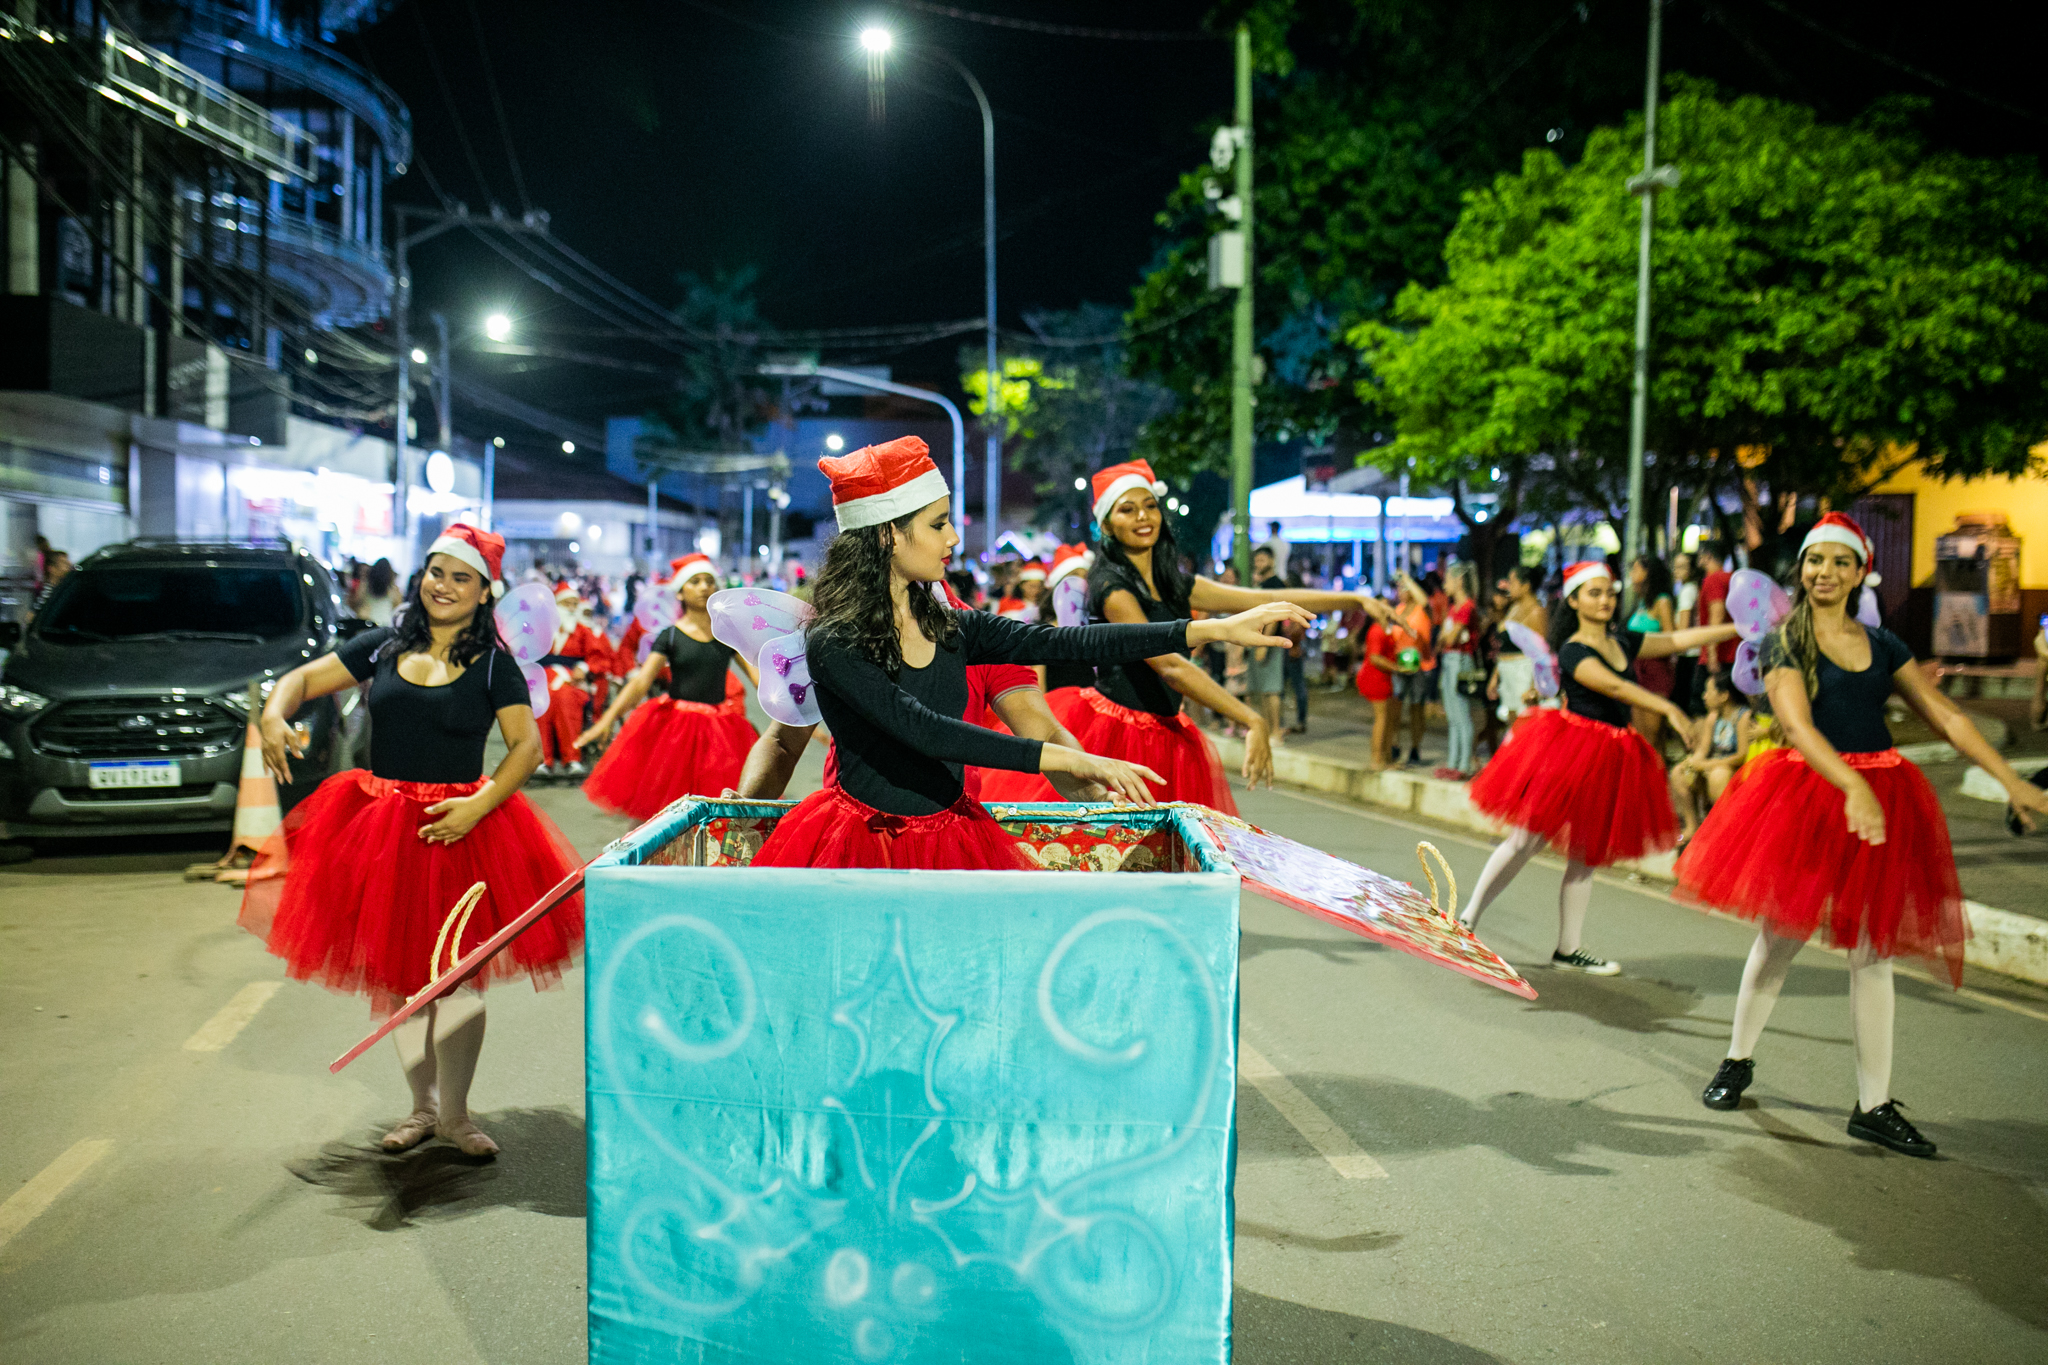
(577, 652)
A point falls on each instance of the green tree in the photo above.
(720, 401)
(1831, 302)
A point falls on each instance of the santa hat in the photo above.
(1584, 572)
(1838, 529)
(1032, 570)
(1112, 483)
(689, 566)
(882, 483)
(480, 550)
(565, 591)
(1069, 559)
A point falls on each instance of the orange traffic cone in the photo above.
(257, 813)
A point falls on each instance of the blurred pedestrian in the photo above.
(1655, 611)
(1513, 684)
(1376, 673)
(380, 596)
(1455, 655)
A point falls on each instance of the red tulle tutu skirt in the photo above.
(349, 895)
(1597, 792)
(1777, 849)
(828, 828)
(1172, 746)
(669, 749)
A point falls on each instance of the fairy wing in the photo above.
(1070, 601)
(1755, 603)
(1744, 671)
(526, 621)
(655, 609)
(536, 687)
(748, 618)
(1540, 657)
(786, 692)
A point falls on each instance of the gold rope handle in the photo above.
(1424, 851)
(458, 919)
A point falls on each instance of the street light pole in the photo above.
(992, 476)
(1645, 187)
(1241, 326)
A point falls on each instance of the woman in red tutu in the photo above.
(1837, 834)
(694, 740)
(890, 660)
(1583, 779)
(355, 888)
(1133, 712)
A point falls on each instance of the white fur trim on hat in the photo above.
(1582, 574)
(1826, 534)
(900, 501)
(1121, 485)
(1072, 565)
(460, 550)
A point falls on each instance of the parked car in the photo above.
(124, 704)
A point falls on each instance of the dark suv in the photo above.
(124, 707)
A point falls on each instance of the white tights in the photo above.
(1574, 894)
(1870, 1009)
(440, 1074)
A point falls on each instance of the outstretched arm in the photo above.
(1209, 595)
(642, 682)
(322, 677)
(1664, 643)
(1595, 674)
(1181, 674)
(1947, 719)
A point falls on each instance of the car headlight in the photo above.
(237, 701)
(20, 703)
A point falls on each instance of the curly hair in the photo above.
(851, 597)
(412, 633)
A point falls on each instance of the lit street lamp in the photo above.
(877, 41)
(498, 327)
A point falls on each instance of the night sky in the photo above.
(672, 135)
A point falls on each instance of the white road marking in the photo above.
(217, 1032)
(1623, 882)
(42, 1190)
(1346, 1157)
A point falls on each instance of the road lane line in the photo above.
(1624, 882)
(43, 1188)
(1346, 1157)
(217, 1032)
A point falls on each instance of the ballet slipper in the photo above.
(417, 1128)
(464, 1133)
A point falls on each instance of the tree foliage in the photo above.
(720, 400)
(1828, 302)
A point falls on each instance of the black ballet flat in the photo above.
(1725, 1090)
(1887, 1127)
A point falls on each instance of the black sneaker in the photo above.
(1725, 1090)
(1887, 1127)
(1579, 960)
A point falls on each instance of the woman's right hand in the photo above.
(1864, 815)
(280, 740)
(1681, 724)
(1258, 755)
(601, 730)
(1257, 627)
(1122, 781)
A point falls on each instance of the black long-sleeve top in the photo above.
(902, 742)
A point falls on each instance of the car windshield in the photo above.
(225, 603)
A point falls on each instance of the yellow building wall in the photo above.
(1936, 505)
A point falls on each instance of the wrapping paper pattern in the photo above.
(868, 1116)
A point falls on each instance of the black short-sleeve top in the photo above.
(430, 734)
(1136, 685)
(696, 668)
(1848, 710)
(1582, 700)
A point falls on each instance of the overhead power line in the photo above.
(1865, 50)
(1124, 35)
(483, 52)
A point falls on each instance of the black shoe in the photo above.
(1725, 1090)
(1887, 1127)
(1579, 960)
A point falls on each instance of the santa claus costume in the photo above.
(692, 740)
(1027, 594)
(355, 889)
(897, 796)
(577, 653)
(1582, 778)
(1836, 834)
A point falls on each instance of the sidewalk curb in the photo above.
(2000, 941)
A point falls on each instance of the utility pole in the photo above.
(1241, 330)
(1645, 187)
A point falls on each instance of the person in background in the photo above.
(1686, 591)
(1699, 779)
(1455, 653)
(1489, 642)
(1377, 671)
(1514, 673)
(1274, 544)
(56, 568)
(1415, 649)
(1712, 611)
(380, 596)
(1650, 585)
(1265, 669)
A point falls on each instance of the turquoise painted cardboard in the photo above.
(909, 1116)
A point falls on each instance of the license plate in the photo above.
(145, 772)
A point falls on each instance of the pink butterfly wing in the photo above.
(1070, 601)
(526, 618)
(786, 692)
(1744, 672)
(536, 687)
(1755, 603)
(748, 618)
(1540, 657)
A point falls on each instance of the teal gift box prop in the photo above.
(912, 1116)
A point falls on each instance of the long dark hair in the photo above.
(380, 578)
(1656, 580)
(851, 596)
(1174, 585)
(412, 633)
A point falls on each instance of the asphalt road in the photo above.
(1551, 1189)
